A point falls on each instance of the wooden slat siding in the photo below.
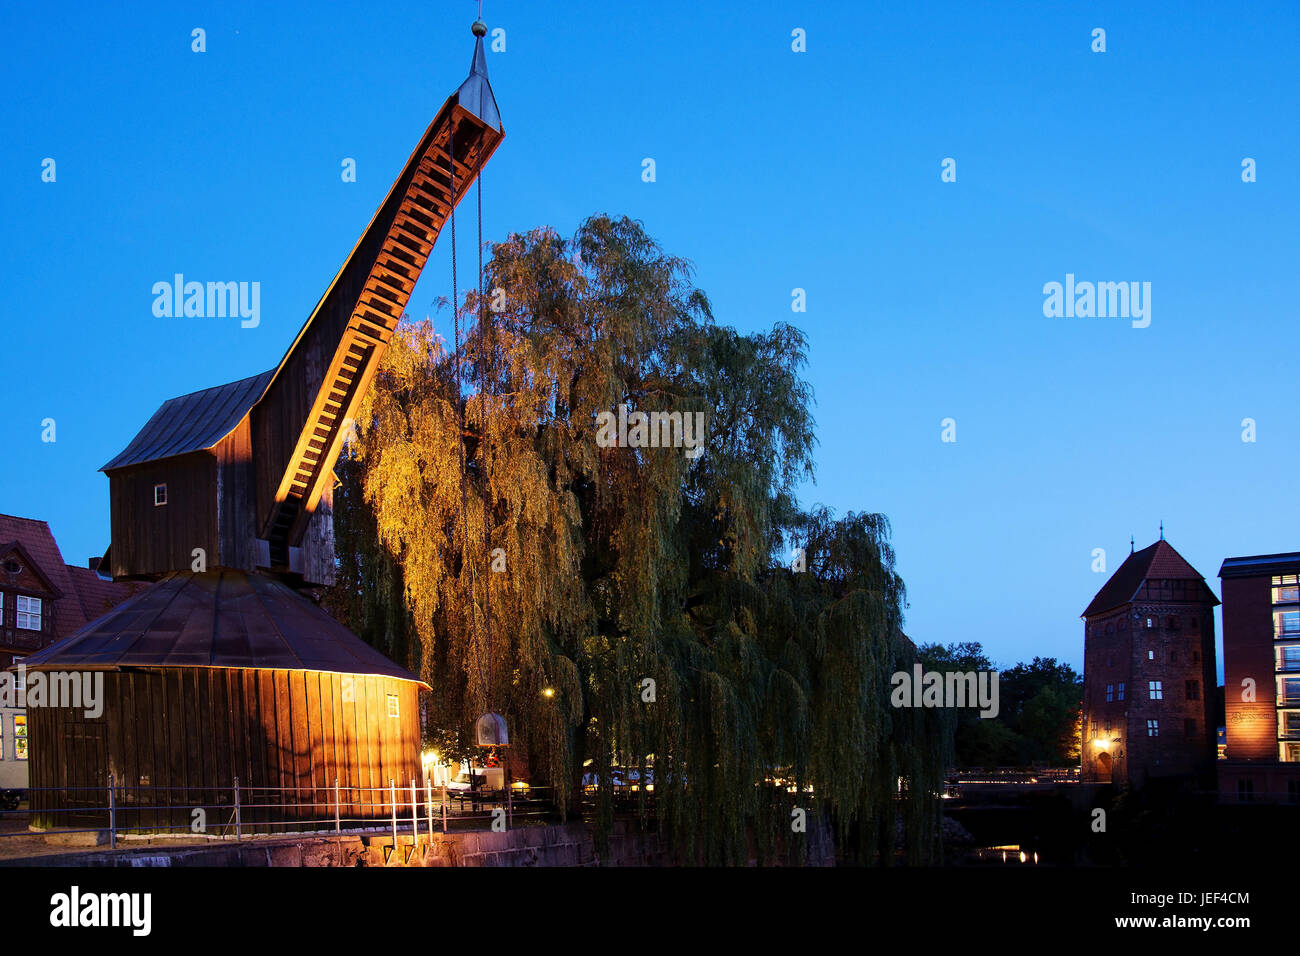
(354, 717)
(341, 744)
(236, 508)
(237, 724)
(348, 729)
(267, 721)
(205, 722)
(152, 714)
(282, 741)
(222, 718)
(136, 711)
(155, 704)
(175, 736)
(255, 731)
(327, 758)
(320, 752)
(301, 735)
(154, 539)
(376, 753)
(365, 753)
(112, 717)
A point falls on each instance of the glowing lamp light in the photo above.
(548, 692)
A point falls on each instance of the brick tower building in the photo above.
(1149, 672)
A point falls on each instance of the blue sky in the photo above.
(775, 170)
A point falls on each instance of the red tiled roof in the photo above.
(98, 596)
(1159, 561)
(74, 608)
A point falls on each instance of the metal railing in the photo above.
(239, 812)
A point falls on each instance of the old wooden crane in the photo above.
(240, 471)
(223, 673)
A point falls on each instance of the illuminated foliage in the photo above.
(624, 565)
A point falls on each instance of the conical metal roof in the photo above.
(217, 619)
(475, 94)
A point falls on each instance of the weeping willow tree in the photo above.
(625, 605)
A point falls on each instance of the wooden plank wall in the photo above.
(150, 539)
(193, 730)
(236, 500)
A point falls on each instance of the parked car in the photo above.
(9, 799)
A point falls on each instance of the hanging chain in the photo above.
(466, 564)
(488, 353)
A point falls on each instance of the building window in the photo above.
(1151, 655)
(20, 677)
(1153, 728)
(1193, 690)
(1288, 657)
(392, 705)
(159, 495)
(1286, 623)
(20, 736)
(1110, 693)
(1286, 589)
(29, 613)
(1290, 724)
(1121, 690)
(1151, 622)
(1189, 727)
(1246, 791)
(1156, 689)
(1288, 691)
(1196, 657)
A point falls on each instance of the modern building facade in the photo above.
(1261, 657)
(1149, 673)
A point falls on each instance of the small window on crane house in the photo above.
(392, 705)
(159, 495)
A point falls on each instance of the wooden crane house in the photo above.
(225, 669)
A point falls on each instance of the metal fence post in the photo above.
(444, 808)
(510, 807)
(415, 816)
(112, 815)
(239, 820)
(337, 822)
(392, 784)
(428, 805)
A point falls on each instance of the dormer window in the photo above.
(29, 613)
(159, 495)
